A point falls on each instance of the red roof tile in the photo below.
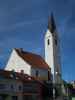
(33, 59)
(18, 76)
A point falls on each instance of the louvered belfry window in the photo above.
(48, 41)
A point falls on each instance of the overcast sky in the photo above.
(23, 24)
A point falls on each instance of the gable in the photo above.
(16, 63)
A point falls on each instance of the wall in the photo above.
(49, 51)
(52, 56)
(42, 73)
(17, 63)
(9, 91)
(10, 86)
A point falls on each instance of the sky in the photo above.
(23, 24)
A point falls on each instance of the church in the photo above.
(28, 63)
(33, 64)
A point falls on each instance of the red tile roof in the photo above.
(33, 59)
(18, 76)
(13, 75)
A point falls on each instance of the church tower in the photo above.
(52, 56)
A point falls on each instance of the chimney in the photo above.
(20, 49)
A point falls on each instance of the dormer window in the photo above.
(48, 42)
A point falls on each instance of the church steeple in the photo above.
(52, 50)
(51, 24)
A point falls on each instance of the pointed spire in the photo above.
(51, 23)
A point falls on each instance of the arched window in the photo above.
(48, 41)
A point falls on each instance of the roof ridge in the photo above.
(28, 52)
(34, 60)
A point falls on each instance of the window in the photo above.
(12, 87)
(20, 88)
(14, 98)
(2, 86)
(48, 42)
(37, 73)
(48, 75)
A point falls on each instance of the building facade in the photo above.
(31, 64)
(19, 86)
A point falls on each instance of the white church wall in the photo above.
(52, 55)
(17, 63)
(42, 73)
(49, 50)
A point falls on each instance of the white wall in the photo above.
(49, 51)
(52, 56)
(42, 73)
(17, 63)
